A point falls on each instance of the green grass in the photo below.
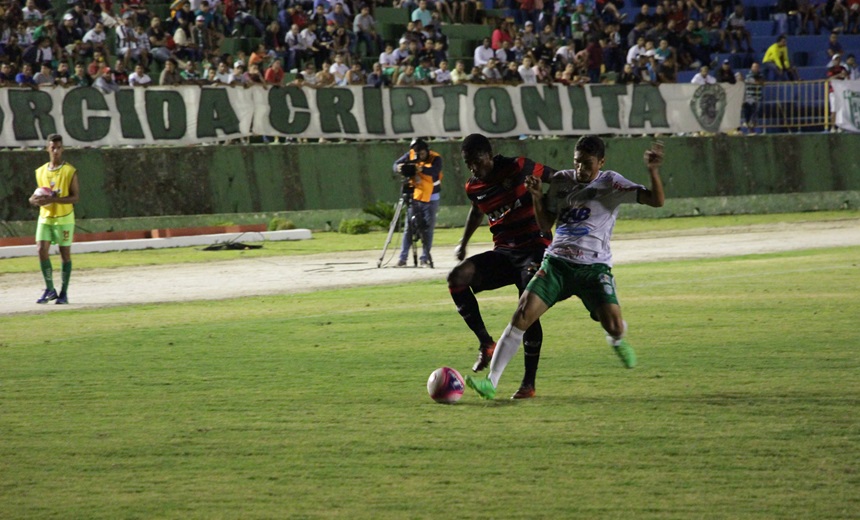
(334, 242)
(313, 406)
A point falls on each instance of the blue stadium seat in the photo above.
(761, 28)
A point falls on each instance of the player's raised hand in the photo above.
(654, 155)
(534, 185)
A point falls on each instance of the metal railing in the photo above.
(795, 106)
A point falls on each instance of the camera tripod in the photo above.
(413, 225)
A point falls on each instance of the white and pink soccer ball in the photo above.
(43, 192)
(445, 385)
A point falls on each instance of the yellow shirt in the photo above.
(59, 181)
(777, 55)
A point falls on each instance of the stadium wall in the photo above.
(720, 174)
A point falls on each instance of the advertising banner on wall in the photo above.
(191, 114)
(846, 104)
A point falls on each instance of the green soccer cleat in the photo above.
(482, 385)
(626, 353)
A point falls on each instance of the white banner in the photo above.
(191, 114)
(846, 104)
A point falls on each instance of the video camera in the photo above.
(409, 168)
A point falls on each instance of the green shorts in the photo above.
(60, 234)
(558, 280)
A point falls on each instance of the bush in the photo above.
(354, 226)
(280, 224)
(383, 212)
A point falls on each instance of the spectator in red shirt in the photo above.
(275, 74)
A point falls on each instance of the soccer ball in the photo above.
(43, 192)
(445, 385)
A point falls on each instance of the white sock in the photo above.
(506, 349)
(612, 340)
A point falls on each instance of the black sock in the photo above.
(467, 306)
(532, 341)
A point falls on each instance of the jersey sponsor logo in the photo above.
(567, 222)
(503, 210)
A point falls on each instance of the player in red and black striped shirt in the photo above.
(497, 189)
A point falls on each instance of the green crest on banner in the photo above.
(709, 106)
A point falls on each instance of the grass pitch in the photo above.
(314, 405)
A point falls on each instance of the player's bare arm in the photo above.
(544, 218)
(654, 196)
(473, 220)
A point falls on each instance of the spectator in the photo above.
(424, 71)
(70, 37)
(594, 59)
(810, 13)
(80, 78)
(170, 75)
(737, 31)
(644, 70)
(833, 45)
(511, 74)
(364, 27)
(628, 76)
(634, 51)
(376, 78)
(751, 108)
(160, 42)
(62, 77)
(775, 62)
(527, 72)
(703, 77)
(120, 73)
(543, 72)
(356, 75)
(459, 74)
(222, 73)
(139, 78)
(483, 53)
(254, 77)
(324, 77)
(408, 78)
(45, 76)
(835, 72)
(275, 74)
(339, 69)
(422, 13)
(667, 71)
(852, 68)
(105, 80)
(126, 39)
(237, 76)
(528, 36)
(25, 77)
(491, 74)
(442, 76)
(502, 33)
(725, 74)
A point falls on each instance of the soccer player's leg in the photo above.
(533, 337)
(43, 245)
(483, 272)
(601, 300)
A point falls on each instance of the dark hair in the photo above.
(475, 144)
(419, 144)
(591, 145)
(53, 138)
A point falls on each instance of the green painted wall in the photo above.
(205, 180)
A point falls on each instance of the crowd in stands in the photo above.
(335, 42)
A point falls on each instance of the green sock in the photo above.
(47, 273)
(67, 274)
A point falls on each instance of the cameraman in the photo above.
(421, 169)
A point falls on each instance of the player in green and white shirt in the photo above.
(583, 202)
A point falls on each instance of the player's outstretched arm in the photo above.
(654, 196)
(473, 220)
(544, 217)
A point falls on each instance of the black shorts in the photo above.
(503, 267)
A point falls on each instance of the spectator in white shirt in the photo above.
(339, 70)
(703, 77)
(491, 73)
(527, 72)
(443, 75)
(634, 51)
(222, 73)
(483, 53)
(139, 78)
